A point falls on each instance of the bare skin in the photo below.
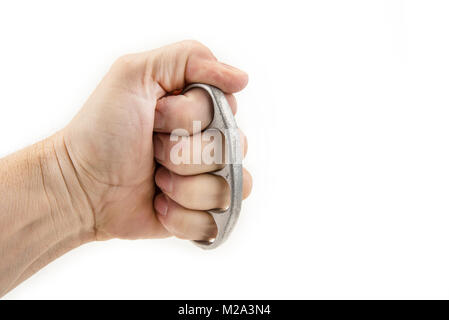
(96, 178)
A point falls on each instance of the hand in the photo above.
(112, 145)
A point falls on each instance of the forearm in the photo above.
(44, 211)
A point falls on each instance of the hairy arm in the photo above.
(96, 179)
(44, 211)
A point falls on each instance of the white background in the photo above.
(347, 115)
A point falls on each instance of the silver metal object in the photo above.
(224, 121)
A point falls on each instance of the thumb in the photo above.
(175, 66)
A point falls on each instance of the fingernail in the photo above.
(232, 68)
(158, 147)
(164, 180)
(159, 120)
(161, 205)
(242, 79)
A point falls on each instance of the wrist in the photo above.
(44, 211)
(70, 208)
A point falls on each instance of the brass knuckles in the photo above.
(232, 172)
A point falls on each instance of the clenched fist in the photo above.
(110, 173)
(123, 131)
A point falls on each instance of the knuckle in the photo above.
(193, 44)
(232, 102)
(195, 47)
(125, 63)
(247, 183)
(243, 142)
(122, 61)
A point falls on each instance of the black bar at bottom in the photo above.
(228, 309)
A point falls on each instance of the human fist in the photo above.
(123, 131)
